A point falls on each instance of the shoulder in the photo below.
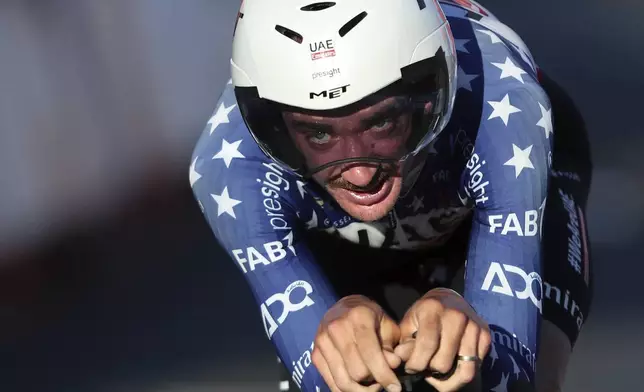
(235, 182)
(476, 28)
(513, 145)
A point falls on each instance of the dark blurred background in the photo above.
(110, 279)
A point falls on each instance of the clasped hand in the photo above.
(357, 341)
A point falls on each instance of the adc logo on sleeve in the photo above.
(270, 324)
(496, 275)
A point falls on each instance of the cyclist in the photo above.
(369, 154)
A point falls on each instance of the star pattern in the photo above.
(503, 384)
(465, 80)
(260, 206)
(460, 45)
(503, 109)
(194, 175)
(515, 367)
(510, 70)
(229, 151)
(493, 37)
(220, 116)
(520, 160)
(313, 223)
(417, 203)
(225, 204)
(546, 120)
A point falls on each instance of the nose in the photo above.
(359, 175)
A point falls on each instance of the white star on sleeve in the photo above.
(493, 354)
(495, 39)
(460, 45)
(509, 69)
(313, 223)
(503, 109)
(220, 116)
(465, 80)
(225, 204)
(520, 159)
(300, 187)
(194, 176)
(515, 367)
(417, 204)
(229, 151)
(503, 384)
(546, 120)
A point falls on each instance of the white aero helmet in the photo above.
(334, 57)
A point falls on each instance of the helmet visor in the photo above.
(384, 127)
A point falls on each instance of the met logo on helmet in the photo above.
(330, 94)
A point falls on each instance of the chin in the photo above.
(372, 212)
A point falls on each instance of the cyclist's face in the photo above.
(367, 191)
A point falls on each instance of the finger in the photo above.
(465, 370)
(392, 359)
(323, 368)
(372, 354)
(342, 336)
(484, 343)
(408, 327)
(453, 324)
(389, 333)
(404, 350)
(426, 343)
(337, 368)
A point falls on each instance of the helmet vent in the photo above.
(318, 6)
(421, 4)
(288, 33)
(352, 23)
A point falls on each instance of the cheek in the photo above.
(320, 178)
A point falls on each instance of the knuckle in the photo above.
(432, 305)
(319, 341)
(455, 316)
(360, 314)
(335, 328)
(442, 364)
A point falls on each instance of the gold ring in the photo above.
(468, 358)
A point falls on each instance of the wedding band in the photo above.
(468, 358)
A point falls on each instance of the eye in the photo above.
(382, 124)
(320, 137)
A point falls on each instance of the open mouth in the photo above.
(376, 191)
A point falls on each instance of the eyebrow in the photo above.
(384, 112)
(316, 126)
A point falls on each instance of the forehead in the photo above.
(363, 110)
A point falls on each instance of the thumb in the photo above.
(389, 333)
